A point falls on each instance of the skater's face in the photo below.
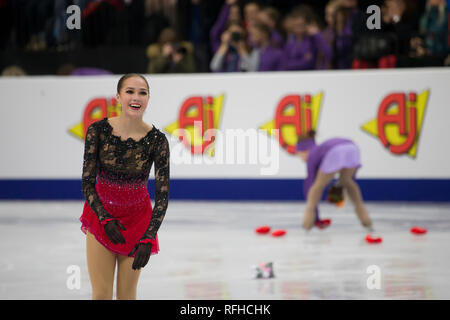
(133, 96)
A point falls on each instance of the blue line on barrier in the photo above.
(434, 190)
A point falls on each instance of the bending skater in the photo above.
(324, 161)
(118, 219)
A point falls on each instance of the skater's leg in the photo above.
(346, 179)
(127, 278)
(314, 196)
(101, 266)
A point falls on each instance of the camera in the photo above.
(179, 48)
(235, 36)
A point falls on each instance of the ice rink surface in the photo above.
(208, 250)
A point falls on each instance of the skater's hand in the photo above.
(113, 232)
(142, 256)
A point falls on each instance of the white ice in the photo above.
(208, 250)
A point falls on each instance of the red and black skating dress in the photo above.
(114, 184)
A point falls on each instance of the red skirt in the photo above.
(128, 203)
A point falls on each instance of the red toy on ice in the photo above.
(262, 229)
(322, 224)
(418, 230)
(373, 239)
(279, 233)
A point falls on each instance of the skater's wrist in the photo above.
(145, 241)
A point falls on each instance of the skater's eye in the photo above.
(129, 91)
(143, 93)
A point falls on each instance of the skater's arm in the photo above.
(89, 175)
(162, 175)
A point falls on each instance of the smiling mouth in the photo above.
(135, 106)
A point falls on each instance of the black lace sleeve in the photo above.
(90, 172)
(162, 159)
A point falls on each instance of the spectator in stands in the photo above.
(170, 55)
(13, 71)
(195, 19)
(101, 25)
(301, 49)
(430, 46)
(163, 7)
(330, 21)
(434, 27)
(251, 11)
(328, 33)
(286, 26)
(404, 40)
(270, 17)
(69, 69)
(339, 16)
(233, 51)
(264, 56)
(382, 48)
(230, 14)
(36, 14)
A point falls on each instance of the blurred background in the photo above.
(191, 36)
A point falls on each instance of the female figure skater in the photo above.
(118, 219)
(324, 161)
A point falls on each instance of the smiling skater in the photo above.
(118, 219)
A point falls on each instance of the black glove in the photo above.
(143, 251)
(113, 232)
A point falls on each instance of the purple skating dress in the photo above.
(330, 156)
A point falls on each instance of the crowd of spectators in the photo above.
(187, 36)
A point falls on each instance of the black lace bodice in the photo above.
(128, 164)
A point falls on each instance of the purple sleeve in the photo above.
(219, 27)
(323, 46)
(344, 46)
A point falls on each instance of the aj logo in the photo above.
(399, 121)
(198, 118)
(295, 115)
(95, 110)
